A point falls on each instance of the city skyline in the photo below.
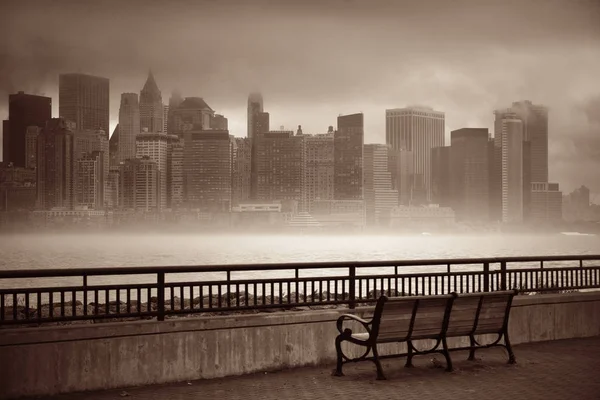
(550, 60)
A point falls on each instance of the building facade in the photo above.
(535, 131)
(85, 143)
(31, 136)
(191, 114)
(89, 178)
(546, 202)
(153, 145)
(348, 157)
(241, 170)
(151, 106)
(139, 182)
(441, 177)
(175, 182)
(84, 99)
(379, 193)
(416, 129)
(207, 170)
(24, 111)
(129, 126)
(318, 169)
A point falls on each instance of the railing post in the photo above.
(160, 280)
(85, 297)
(486, 277)
(503, 275)
(352, 289)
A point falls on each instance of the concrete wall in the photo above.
(50, 360)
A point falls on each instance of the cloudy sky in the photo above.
(316, 59)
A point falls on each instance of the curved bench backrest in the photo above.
(412, 317)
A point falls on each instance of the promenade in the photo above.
(562, 369)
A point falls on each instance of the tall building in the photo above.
(55, 165)
(416, 129)
(207, 170)
(401, 166)
(260, 123)
(112, 187)
(153, 145)
(348, 157)
(191, 114)
(470, 174)
(379, 194)
(535, 131)
(151, 106)
(441, 185)
(255, 107)
(279, 165)
(90, 181)
(86, 143)
(24, 110)
(84, 99)
(31, 136)
(175, 186)
(174, 101)
(508, 138)
(129, 125)
(139, 182)
(241, 164)
(546, 202)
(318, 169)
(495, 180)
(113, 147)
(219, 122)
(165, 118)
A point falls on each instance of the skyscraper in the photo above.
(508, 137)
(441, 187)
(86, 143)
(153, 145)
(348, 157)
(416, 129)
(191, 114)
(255, 107)
(84, 99)
(279, 166)
(174, 101)
(380, 196)
(138, 185)
(89, 181)
(318, 169)
(241, 157)
(535, 130)
(165, 118)
(175, 193)
(207, 170)
(401, 167)
(114, 147)
(129, 125)
(469, 171)
(151, 106)
(24, 110)
(55, 165)
(31, 136)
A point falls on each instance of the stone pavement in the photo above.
(566, 369)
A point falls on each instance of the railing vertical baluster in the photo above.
(128, 291)
(503, 275)
(486, 277)
(96, 300)
(228, 288)
(118, 303)
(85, 296)
(201, 295)
(2, 311)
(15, 305)
(396, 278)
(220, 295)
(73, 303)
(160, 286)
(139, 299)
(62, 303)
(26, 306)
(39, 307)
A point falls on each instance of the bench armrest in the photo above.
(352, 317)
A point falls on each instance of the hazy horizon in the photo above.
(315, 60)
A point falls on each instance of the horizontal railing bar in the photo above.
(90, 289)
(64, 272)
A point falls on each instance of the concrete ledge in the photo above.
(51, 360)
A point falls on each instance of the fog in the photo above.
(313, 60)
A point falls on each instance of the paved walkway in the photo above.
(567, 369)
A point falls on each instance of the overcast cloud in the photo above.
(313, 60)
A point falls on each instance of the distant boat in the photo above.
(577, 234)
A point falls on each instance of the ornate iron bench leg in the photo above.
(511, 355)
(380, 375)
(472, 348)
(338, 349)
(409, 357)
(446, 353)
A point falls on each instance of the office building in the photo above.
(207, 170)
(129, 125)
(191, 114)
(175, 182)
(151, 106)
(139, 182)
(318, 169)
(441, 186)
(546, 203)
(241, 172)
(469, 173)
(219, 122)
(113, 147)
(379, 195)
(31, 136)
(279, 166)
(416, 129)
(84, 99)
(24, 110)
(153, 145)
(55, 165)
(401, 166)
(255, 108)
(90, 181)
(509, 138)
(112, 187)
(165, 118)
(535, 131)
(88, 142)
(348, 157)
(174, 101)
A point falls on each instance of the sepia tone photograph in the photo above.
(297, 199)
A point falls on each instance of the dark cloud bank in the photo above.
(313, 60)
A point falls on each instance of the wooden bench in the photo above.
(412, 318)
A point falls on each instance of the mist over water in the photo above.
(24, 251)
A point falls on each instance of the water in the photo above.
(31, 251)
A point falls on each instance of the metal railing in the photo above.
(59, 295)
